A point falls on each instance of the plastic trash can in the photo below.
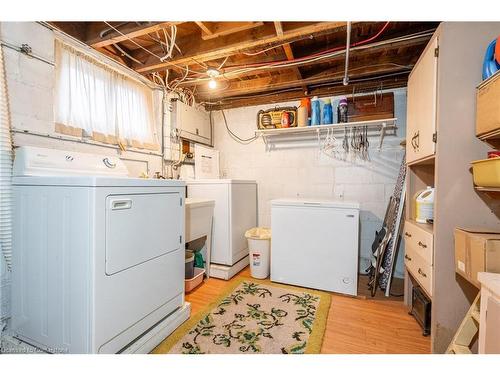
(259, 247)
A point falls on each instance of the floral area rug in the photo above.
(255, 317)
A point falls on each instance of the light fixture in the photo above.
(212, 83)
(212, 73)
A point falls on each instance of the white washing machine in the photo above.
(235, 212)
(98, 258)
(315, 244)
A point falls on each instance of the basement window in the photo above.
(95, 101)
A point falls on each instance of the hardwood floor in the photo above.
(355, 325)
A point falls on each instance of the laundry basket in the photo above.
(259, 246)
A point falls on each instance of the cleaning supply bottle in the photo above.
(424, 205)
(315, 111)
(327, 117)
(303, 112)
(342, 111)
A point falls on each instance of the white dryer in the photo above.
(315, 244)
(98, 258)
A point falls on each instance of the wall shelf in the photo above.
(487, 189)
(379, 128)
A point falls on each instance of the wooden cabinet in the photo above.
(422, 102)
(442, 101)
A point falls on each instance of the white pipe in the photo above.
(347, 48)
(5, 169)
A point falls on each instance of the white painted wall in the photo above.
(31, 97)
(300, 171)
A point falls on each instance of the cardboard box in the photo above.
(476, 250)
(488, 106)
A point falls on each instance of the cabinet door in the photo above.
(422, 101)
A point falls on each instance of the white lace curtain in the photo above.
(95, 100)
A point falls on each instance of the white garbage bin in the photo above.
(259, 247)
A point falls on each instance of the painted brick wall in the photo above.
(299, 170)
(31, 96)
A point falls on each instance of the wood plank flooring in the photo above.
(355, 325)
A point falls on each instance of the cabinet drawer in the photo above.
(419, 269)
(420, 240)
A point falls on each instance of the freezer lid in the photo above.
(219, 181)
(314, 203)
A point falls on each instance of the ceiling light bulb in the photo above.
(212, 84)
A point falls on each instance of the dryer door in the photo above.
(140, 227)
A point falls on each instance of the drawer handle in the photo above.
(408, 234)
(422, 272)
(407, 257)
(422, 244)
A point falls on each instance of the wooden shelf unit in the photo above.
(458, 50)
(428, 227)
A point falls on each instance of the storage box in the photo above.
(486, 172)
(190, 284)
(488, 106)
(476, 250)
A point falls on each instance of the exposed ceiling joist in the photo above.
(288, 80)
(195, 51)
(401, 59)
(129, 32)
(211, 30)
(288, 52)
(294, 94)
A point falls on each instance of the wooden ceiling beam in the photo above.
(288, 79)
(201, 51)
(412, 50)
(288, 52)
(129, 32)
(211, 30)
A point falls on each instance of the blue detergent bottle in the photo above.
(327, 117)
(315, 111)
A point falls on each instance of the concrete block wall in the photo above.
(300, 170)
(31, 97)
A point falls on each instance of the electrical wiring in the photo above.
(307, 59)
(126, 54)
(170, 42)
(145, 49)
(326, 51)
(133, 41)
(223, 62)
(273, 47)
(234, 136)
(337, 83)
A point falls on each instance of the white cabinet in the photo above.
(422, 102)
(191, 123)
